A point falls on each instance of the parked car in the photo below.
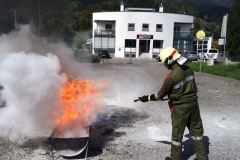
(205, 53)
(212, 52)
(191, 55)
(104, 54)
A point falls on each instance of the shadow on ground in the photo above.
(102, 131)
(188, 150)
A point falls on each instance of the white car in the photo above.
(206, 53)
(212, 52)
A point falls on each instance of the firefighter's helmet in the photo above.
(169, 55)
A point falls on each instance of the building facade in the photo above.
(141, 32)
(204, 44)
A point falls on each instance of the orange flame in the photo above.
(77, 96)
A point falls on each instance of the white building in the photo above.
(141, 32)
(204, 44)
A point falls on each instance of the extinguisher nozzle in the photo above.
(136, 100)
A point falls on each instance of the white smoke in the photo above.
(27, 80)
(24, 40)
(31, 74)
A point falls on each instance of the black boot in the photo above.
(167, 158)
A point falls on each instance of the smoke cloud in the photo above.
(31, 76)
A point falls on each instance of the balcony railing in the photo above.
(183, 34)
(100, 32)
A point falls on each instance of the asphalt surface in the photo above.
(128, 130)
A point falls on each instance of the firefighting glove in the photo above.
(145, 98)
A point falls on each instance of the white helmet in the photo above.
(169, 55)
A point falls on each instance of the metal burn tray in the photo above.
(69, 147)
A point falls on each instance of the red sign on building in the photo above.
(144, 36)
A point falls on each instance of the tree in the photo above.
(233, 26)
(197, 25)
(176, 6)
(84, 17)
(205, 17)
(57, 22)
(215, 44)
(81, 38)
(113, 5)
(74, 9)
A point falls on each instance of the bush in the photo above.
(81, 38)
(235, 58)
(84, 56)
(238, 66)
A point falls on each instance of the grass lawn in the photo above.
(229, 71)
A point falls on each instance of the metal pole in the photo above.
(200, 69)
(225, 37)
(224, 50)
(130, 56)
(88, 142)
(15, 20)
(39, 21)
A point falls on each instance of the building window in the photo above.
(201, 44)
(183, 45)
(108, 26)
(204, 46)
(130, 43)
(131, 27)
(145, 27)
(177, 31)
(159, 28)
(157, 43)
(205, 50)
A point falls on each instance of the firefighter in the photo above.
(180, 87)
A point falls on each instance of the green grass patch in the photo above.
(229, 71)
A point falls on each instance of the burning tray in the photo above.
(69, 146)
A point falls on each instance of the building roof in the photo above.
(140, 9)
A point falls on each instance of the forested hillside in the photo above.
(226, 3)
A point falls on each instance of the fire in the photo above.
(70, 114)
(77, 96)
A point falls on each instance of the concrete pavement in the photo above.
(142, 131)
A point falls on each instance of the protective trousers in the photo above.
(187, 115)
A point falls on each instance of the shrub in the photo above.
(85, 56)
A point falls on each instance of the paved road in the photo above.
(142, 131)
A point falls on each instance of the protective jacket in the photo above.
(179, 85)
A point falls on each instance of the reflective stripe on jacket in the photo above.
(179, 85)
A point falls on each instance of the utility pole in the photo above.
(39, 20)
(15, 20)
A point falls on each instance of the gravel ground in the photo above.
(142, 131)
